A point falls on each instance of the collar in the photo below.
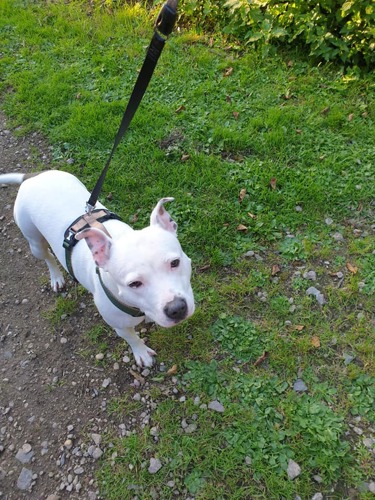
(132, 311)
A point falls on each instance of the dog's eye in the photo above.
(175, 263)
(135, 284)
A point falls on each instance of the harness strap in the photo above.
(132, 311)
(94, 219)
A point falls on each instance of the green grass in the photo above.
(67, 72)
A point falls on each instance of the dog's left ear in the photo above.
(162, 218)
(99, 244)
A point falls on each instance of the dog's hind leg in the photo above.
(39, 248)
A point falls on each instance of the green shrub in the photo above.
(332, 30)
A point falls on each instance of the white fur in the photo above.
(49, 202)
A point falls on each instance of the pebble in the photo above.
(317, 294)
(106, 382)
(97, 453)
(216, 406)
(68, 444)
(99, 356)
(190, 428)
(371, 486)
(328, 221)
(293, 470)
(126, 359)
(338, 237)
(317, 496)
(24, 479)
(299, 385)
(155, 465)
(310, 275)
(97, 438)
(78, 470)
(25, 454)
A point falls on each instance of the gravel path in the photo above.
(53, 391)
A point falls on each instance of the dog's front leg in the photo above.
(144, 356)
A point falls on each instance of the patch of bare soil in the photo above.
(53, 397)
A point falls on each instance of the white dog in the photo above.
(142, 269)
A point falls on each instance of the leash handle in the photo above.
(163, 28)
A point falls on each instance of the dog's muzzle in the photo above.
(176, 309)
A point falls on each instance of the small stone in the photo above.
(358, 431)
(216, 406)
(317, 294)
(310, 275)
(250, 253)
(24, 479)
(328, 221)
(78, 470)
(371, 486)
(155, 465)
(299, 385)
(348, 358)
(99, 356)
(126, 359)
(171, 484)
(63, 340)
(116, 366)
(97, 453)
(338, 237)
(293, 470)
(317, 478)
(248, 460)
(298, 208)
(190, 428)
(317, 496)
(25, 454)
(68, 444)
(106, 382)
(368, 442)
(97, 438)
(53, 497)
(340, 275)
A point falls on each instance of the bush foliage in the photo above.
(332, 30)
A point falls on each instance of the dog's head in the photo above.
(148, 267)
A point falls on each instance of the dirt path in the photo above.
(53, 405)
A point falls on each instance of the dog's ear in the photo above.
(99, 244)
(162, 218)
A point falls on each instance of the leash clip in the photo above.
(89, 208)
(166, 19)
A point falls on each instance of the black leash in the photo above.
(163, 28)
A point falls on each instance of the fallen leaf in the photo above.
(172, 371)
(290, 64)
(275, 269)
(299, 328)
(315, 341)
(134, 218)
(79, 95)
(298, 131)
(185, 157)
(211, 42)
(236, 114)
(351, 268)
(180, 109)
(242, 228)
(203, 268)
(273, 183)
(364, 114)
(326, 110)
(228, 72)
(242, 194)
(261, 358)
(137, 376)
(109, 196)
(360, 207)
(228, 98)
(251, 215)
(350, 117)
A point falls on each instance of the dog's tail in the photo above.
(15, 178)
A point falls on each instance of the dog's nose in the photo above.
(176, 309)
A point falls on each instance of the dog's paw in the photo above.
(57, 282)
(144, 357)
